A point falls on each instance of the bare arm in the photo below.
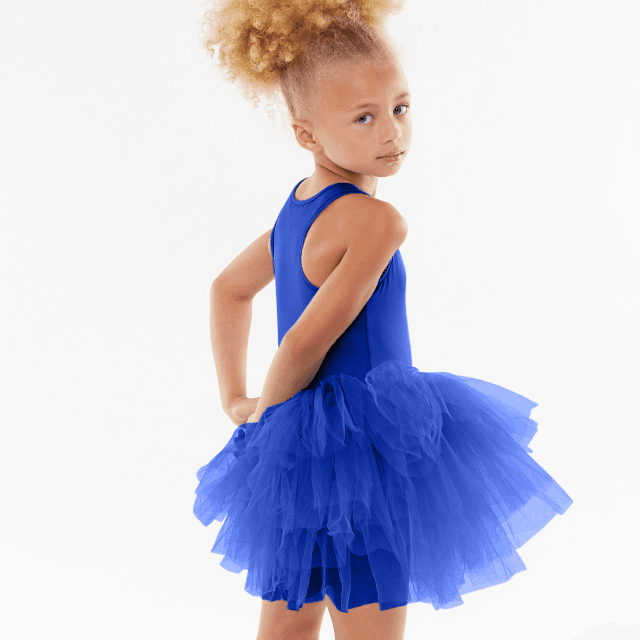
(230, 321)
(231, 298)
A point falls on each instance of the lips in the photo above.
(395, 153)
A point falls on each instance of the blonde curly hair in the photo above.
(289, 46)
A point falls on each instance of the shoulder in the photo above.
(363, 216)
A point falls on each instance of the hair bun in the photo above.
(261, 43)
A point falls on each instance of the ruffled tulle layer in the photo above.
(405, 486)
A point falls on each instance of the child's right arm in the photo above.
(231, 299)
(375, 230)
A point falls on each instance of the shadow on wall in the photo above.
(612, 631)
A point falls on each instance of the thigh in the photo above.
(279, 623)
(367, 621)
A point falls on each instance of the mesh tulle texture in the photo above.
(405, 486)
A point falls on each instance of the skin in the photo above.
(346, 145)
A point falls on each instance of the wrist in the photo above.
(234, 408)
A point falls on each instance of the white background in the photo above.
(132, 174)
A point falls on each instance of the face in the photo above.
(349, 139)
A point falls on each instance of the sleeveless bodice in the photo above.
(380, 331)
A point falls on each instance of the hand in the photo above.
(241, 409)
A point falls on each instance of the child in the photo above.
(356, 481)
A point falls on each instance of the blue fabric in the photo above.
(377, 482)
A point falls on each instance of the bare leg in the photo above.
(279, 623)
(368, 622)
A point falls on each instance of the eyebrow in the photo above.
(371, 104)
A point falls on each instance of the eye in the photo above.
(368, 114)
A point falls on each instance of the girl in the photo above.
(355, 481)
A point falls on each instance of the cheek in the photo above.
(340, 141)
(407, 131)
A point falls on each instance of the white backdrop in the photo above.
(132, 174)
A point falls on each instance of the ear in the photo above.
(304, 134)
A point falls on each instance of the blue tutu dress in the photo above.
(377, 482)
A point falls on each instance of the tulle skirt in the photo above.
(405, 486)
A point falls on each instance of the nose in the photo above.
(392, 130)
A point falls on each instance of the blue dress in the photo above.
(377, 482)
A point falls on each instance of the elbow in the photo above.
(220, 287)
(217, 286)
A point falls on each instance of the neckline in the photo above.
(305, 201)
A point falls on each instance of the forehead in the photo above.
(349, 85)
